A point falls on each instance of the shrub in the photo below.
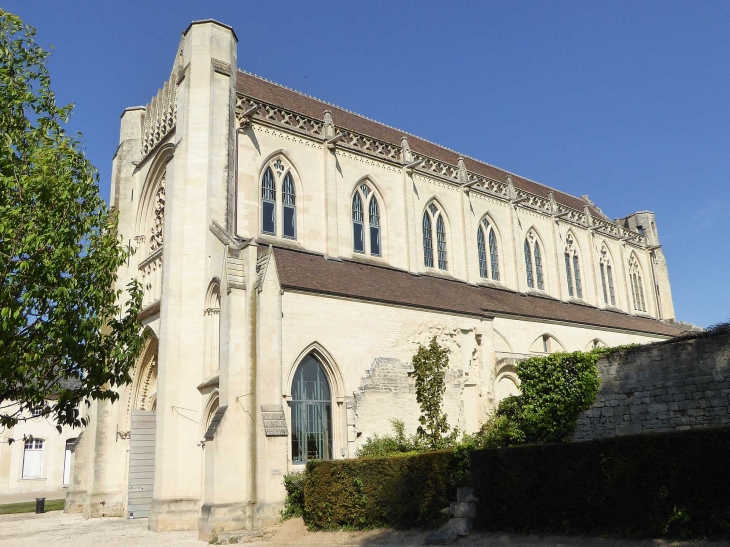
(407, 490)
(294, 503)
(390, 445)
(639, 486)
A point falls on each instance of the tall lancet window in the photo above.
(311, 413)
(433, 215)
(290, 209)
(609, 296)
(374, 219)
(528, 265)
(572, 267)
(533, 255)
(212, 328)
(485, 233)
(427, 241)
(268, 206)
(278, 180)
(637, 286)
(366, 239)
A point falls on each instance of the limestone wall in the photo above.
(662, 387)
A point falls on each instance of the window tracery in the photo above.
(533, 256)
(212, 327)
(433, 215)
(311, 412)
(485, 233)
(278, 179)
(366, 240)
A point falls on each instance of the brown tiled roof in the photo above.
(313, 273)
(272, 93)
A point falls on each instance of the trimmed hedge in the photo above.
(675, 484)
(408, 490)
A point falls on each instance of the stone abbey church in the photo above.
(294, 255)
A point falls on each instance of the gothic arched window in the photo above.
(485, 233)
(637, 286)
(311, 413)
(431, 214)
(366, 241)
(607, 277)
(572, 267)
(532, 252)
(278, 180)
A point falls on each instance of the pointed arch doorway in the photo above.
(143, 423)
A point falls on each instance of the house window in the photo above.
(432, 213)
(33, 459)
(485, 233)
(278, 180)
(311, 413)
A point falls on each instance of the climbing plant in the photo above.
(555, 389)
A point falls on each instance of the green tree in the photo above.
(66, 334)
(429, 366)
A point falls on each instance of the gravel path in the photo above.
(58, 529)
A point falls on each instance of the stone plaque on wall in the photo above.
(274, 420)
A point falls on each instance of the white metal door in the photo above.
(141, 464)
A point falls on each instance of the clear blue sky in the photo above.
(627, 102)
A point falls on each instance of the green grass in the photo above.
(29, 507)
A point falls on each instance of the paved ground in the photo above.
(58, 529)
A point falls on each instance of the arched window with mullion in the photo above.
(311, 413)
(268, 206)
(603, 283)
(485, 233)
(289, 205)
(433, 217)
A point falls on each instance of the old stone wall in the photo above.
(665, 386)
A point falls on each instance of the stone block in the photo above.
(465, 509)
(657, 407)
(461, 526)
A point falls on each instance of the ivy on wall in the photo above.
(555, 389)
